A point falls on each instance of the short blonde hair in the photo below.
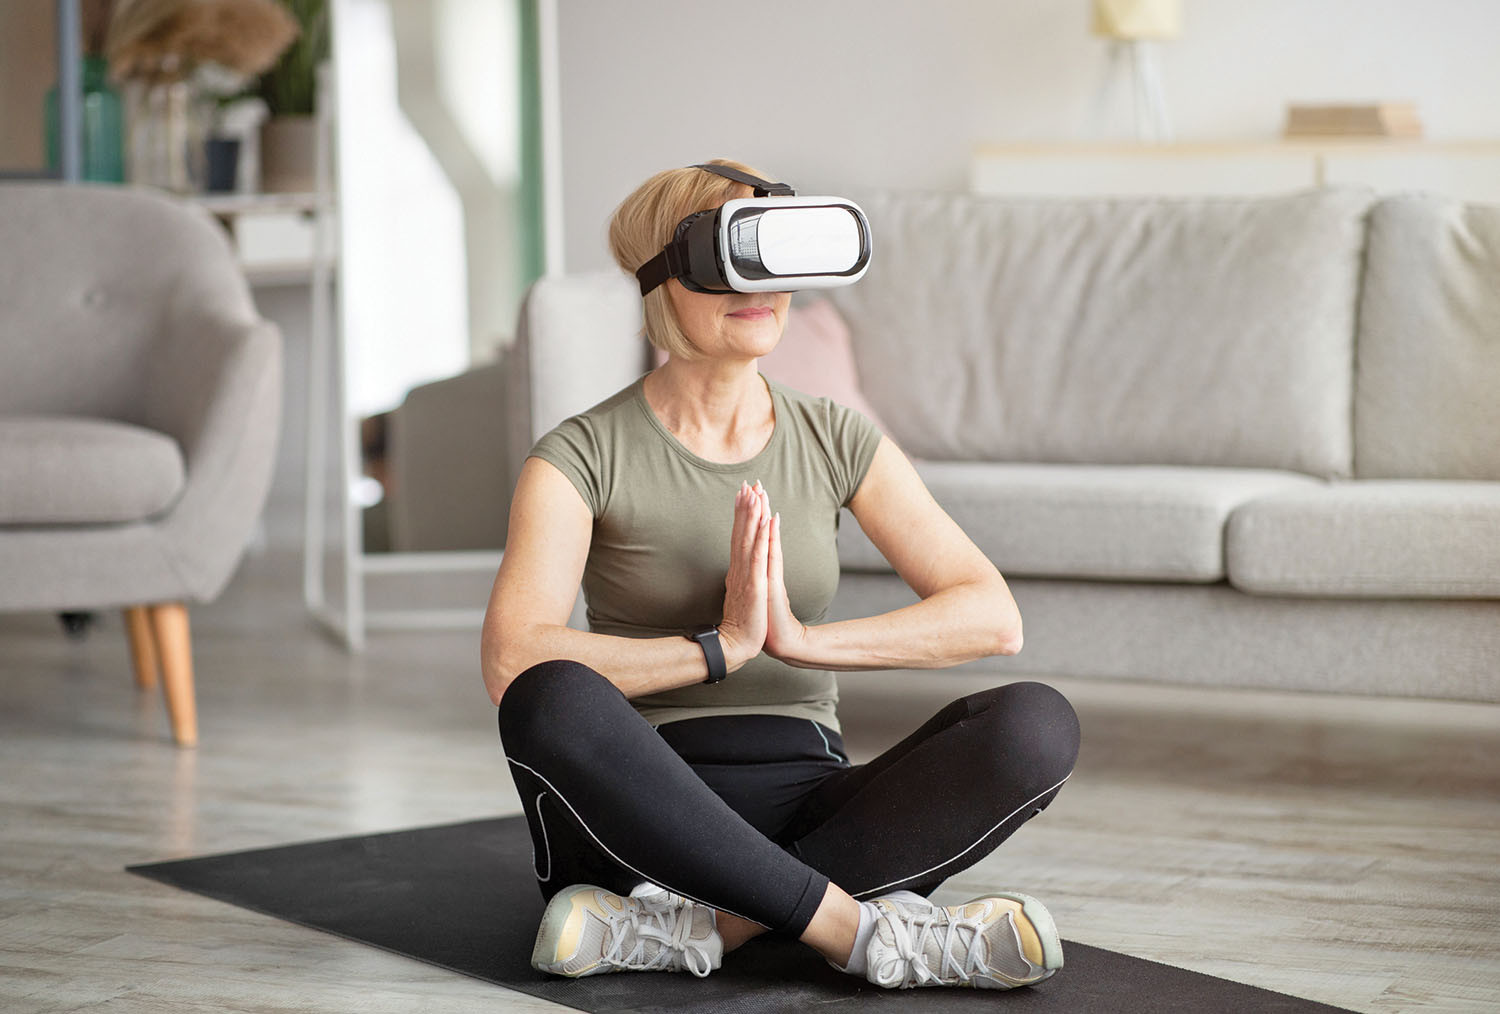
(644, 223)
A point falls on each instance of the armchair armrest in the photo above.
(215, 386)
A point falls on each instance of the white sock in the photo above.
(867, 916)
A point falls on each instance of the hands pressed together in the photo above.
(757, 614)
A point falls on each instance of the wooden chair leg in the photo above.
(174, 646)
(142, 646)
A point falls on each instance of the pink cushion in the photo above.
(815, 356)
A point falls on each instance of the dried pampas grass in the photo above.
(160, 41)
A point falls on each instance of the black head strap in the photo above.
(672, 260)
(762, 188)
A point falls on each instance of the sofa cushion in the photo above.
(71, 470)
(1370, 538)
(1427, 384)
(1172, 331)
(1088, 521)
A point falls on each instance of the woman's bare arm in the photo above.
(545, 551)
(966, 611)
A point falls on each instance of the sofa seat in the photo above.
(1371, 538)
(1101, 522)
(62, 470)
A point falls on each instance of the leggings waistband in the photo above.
(752, 739)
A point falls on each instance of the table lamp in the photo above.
(1132, 27)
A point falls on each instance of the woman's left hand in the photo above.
(785, 633)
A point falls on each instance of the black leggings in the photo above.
(754, 815)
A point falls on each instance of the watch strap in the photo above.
(713, 652)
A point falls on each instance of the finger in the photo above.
(753, 517)
(761, 551)
(748, 519)
(737, 533)
(773, 556)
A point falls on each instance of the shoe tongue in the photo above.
(648, 891)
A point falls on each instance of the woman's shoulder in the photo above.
(612, 411)
(816, 411)
(581, 445)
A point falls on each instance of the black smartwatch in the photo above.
(713, 653)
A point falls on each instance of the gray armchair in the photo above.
(140, 397)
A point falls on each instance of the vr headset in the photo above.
(772, 242)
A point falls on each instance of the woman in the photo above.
(681, 803)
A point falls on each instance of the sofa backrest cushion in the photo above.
(1170, 331)
(1427, 383)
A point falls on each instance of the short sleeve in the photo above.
(574, 449)
(854, 438)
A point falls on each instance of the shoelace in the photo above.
(666, 922)
(908, 966)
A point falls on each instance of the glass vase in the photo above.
(167, 126)
(103, 158)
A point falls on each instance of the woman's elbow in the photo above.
(498, 665)
(1008, 639)
(1007, 633)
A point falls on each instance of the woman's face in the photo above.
(737, 325)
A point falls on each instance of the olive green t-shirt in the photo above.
(662, 520)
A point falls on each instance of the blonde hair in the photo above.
(644, 223)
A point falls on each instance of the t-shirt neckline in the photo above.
(778, 417)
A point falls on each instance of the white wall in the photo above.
(898, 93)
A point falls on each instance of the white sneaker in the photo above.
(588, 931)
(996, 942)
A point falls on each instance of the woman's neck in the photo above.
(719, 410)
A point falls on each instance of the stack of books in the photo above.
(1378, 119)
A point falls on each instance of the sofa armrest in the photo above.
(446, 464)
(578, 341)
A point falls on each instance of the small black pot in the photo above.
(223, 156)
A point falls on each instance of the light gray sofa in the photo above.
(1238, 441)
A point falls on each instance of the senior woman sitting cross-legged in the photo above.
(686, 793)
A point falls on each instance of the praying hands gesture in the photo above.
(757, 613)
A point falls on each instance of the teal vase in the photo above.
(103, 126)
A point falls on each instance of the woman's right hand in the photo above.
(742, 633)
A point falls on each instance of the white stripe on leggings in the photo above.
(945, 862)
(828, 747)
(546, 842)
(563, 799)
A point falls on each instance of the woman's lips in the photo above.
(753, 313)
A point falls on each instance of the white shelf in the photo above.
(1466, 170)
(274, 234)
(258, 203)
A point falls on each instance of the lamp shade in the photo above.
(1138, 19)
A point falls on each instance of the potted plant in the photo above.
(176, 58)
(288, 139)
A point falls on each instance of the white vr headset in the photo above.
(772, 242)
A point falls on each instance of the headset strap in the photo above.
(763, 188)
(669, 263)
(661, 267)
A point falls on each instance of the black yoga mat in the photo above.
(462, 896)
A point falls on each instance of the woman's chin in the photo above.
(759, 340)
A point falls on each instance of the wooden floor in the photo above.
(1341, 849)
